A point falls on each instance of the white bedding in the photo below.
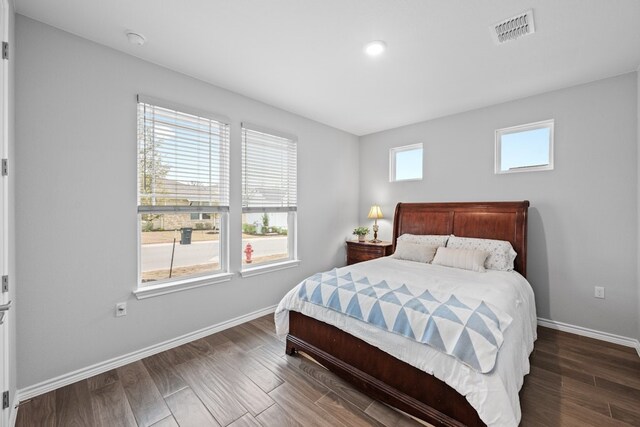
(494, 395)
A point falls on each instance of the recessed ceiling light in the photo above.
(135, 38)
(375, 47)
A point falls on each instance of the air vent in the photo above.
(513, 28)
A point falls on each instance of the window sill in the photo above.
(180, 285)
(406, 180)
(526, 169)
(268, 268)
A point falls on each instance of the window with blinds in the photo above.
(269, 195)
(183, 192)
(182, 159)
(269, 171)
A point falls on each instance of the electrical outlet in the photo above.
(599, 292)
(121, 309)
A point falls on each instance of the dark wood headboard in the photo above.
(486, 220)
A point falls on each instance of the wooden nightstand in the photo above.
(364, 251)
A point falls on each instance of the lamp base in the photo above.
(375, 233)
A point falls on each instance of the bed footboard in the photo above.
(379, 374)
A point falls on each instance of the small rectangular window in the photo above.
(405, 163)
(269, 197)
(525, 148)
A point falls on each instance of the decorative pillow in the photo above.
(467, 259)
(414, 251)
(425, 239)
(501, 253)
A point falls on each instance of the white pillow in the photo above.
(467, 259)
(425, 239)
(414, 251)
(501, 253)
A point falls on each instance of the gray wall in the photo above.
(76, 170)
(583, 222)
(638, 136)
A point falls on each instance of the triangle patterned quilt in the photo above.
(466, 328)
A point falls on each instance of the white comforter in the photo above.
(494, 395)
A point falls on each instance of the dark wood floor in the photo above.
(241, 377)
(579, 381)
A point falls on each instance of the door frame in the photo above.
(5, 328)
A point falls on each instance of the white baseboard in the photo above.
(98, 368)
(591, 333)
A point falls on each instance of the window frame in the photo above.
(392, 161)
(292, 217)
(166, 286)
(543, 124)
(292, 248)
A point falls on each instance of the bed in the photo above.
(431, 386)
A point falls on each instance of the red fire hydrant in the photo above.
(248, 250)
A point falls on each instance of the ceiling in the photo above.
(306, 57)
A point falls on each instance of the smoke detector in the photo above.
(135, 38)
(513, 28)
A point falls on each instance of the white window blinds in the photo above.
(269, 171)
(183, 160)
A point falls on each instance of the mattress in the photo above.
(493, 395)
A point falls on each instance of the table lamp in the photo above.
(375, 213)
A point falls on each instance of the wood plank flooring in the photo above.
(241, 377)
(579, 381)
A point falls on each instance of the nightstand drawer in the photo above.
(365, 251)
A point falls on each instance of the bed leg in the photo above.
(290, 350)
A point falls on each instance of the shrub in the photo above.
(279, 230)
(248, 229)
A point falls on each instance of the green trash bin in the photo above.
(185, 235)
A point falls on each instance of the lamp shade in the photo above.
(375, 212)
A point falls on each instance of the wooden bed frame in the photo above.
(381, 375)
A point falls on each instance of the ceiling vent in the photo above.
(513, 28)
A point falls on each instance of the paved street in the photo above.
(158, 256)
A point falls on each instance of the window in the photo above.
(200, 216)
(405, 163)
(525, 148)
(183, 194)
(269, 197)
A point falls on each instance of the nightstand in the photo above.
(364, 251)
